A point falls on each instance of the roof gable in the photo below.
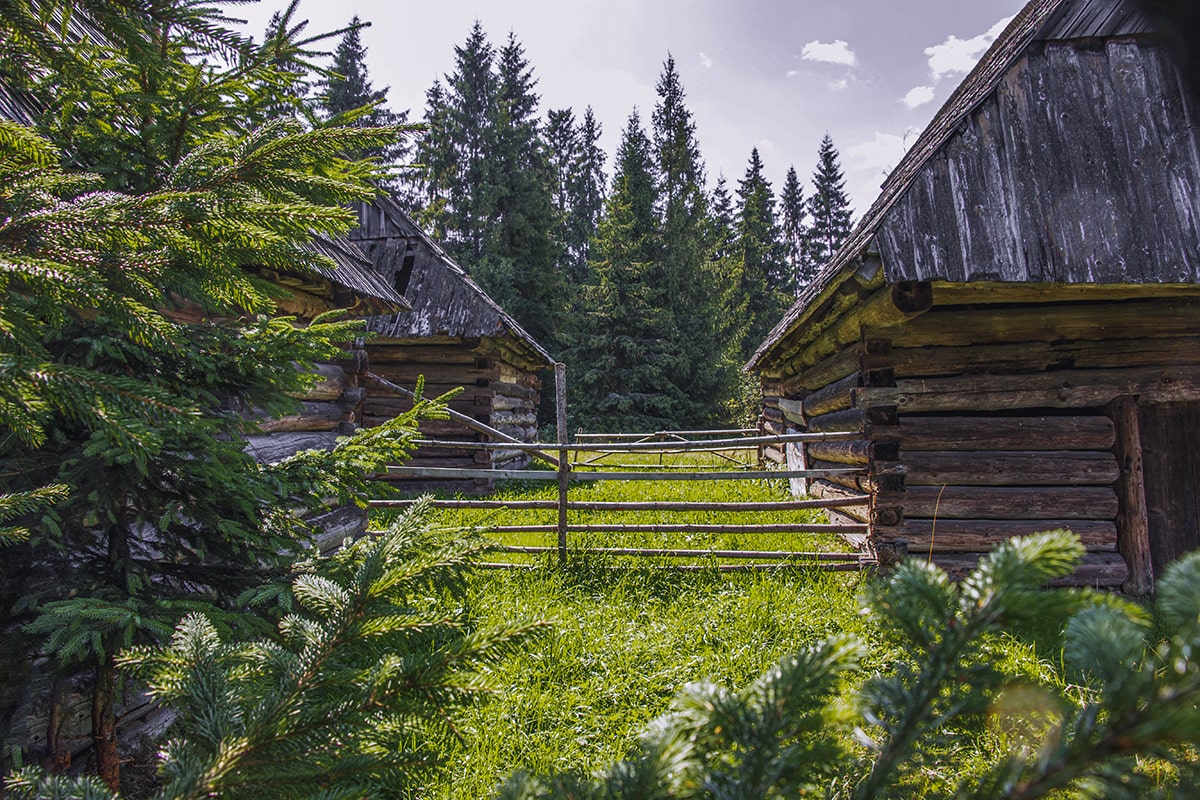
(445, 300)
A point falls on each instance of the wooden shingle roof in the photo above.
(445, 300)
(352, 270)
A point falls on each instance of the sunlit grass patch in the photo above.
(623, 643)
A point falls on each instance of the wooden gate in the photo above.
(584, 461)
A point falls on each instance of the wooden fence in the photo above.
(582, 461)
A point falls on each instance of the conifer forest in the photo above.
(169, 184)
(651, 280)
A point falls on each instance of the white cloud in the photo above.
(956, 56)
(791, 73)
(879, 154)
(917, 96)
(705, 61)
(836, 52)
(839, 85)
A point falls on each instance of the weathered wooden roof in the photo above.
(445, 301)
(1066, 156)
(354, 271)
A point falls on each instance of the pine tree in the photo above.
(828, 207)
(562, 152)
(744, 402)
(759, 252)
(138, 500)
(795, 232)
(280, 40)
(724, 223)
(586, 188)
(489, 182)
(691, 278)
(459, 188)
(578, 164)
(522, 237)
(347, 95)
(622, 344)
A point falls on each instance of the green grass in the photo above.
(622, 643)
(626, 635)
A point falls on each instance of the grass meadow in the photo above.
(626, 634)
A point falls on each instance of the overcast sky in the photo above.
(772, 74)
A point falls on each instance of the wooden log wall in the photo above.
(989, 420)
(329, 408)
(493, 392)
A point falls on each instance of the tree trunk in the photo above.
(104, 724)
(57, 752)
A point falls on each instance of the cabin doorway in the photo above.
(1170, 438)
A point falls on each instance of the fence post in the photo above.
(564, 464)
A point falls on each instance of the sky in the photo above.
(773, 74)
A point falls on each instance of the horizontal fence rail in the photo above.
(677, 553)
(544, 475)
(582, 461)
(769, 566)
(745, 443)
(648, 505)
(686, 527)
(664, 434)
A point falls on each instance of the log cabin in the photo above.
(454, 336)
(1012, 331)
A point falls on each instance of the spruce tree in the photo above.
(795, 233)
(279, 39)
(459, 189)
(488, 189)
(562, 152)
(578, 189)
(828, 207)
(117, 424)
(522, 240)
(691, 278)
(586, 190)
(346, 94)
(760, 256)
(622, 345)
(724, 223)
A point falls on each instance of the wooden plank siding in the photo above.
(1020, 195)
(489, 390)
